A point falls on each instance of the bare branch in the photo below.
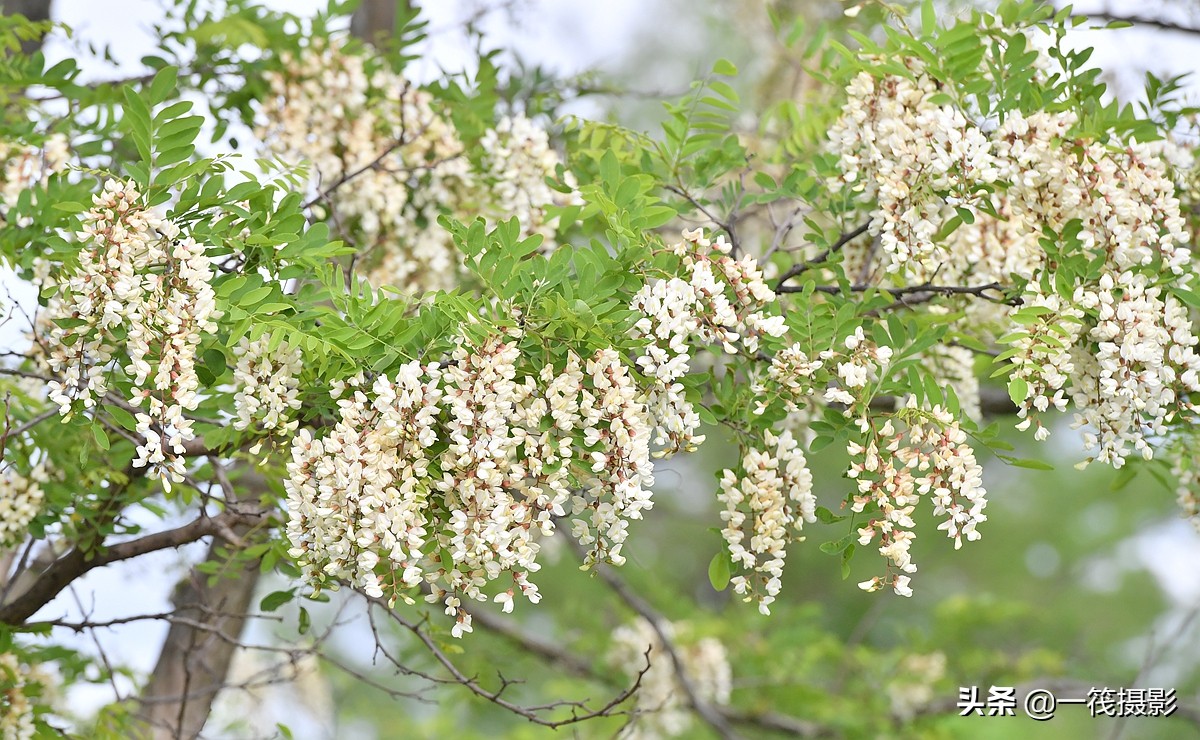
(78, 561)
(579, 713)
(1136, 20)
(803, 267)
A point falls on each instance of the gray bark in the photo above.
(193, 665)
(374, 20)
(34, 10)
(206, 631)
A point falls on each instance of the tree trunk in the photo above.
(206, 632)
(374, 20)
(34, 10)
(194, 663)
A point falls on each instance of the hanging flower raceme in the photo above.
(517, 160)
(267, 385)
(379, 151)
(1116, 345)
(140, 280)
(450, 475)
(23, 167)
(388, 164)
(722, 302)
(17, 685)
(21, 499)
(895, 468)
(769, 500)
(899, 150)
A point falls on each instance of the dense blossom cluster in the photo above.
(26, 167)
(267, 385)
(139, 277)
(1117, 345)
(21, 498)
(375, 127)
(407, 163)
(770, 501)
(18, 685)
(1131, 385)
(662, 705)
(900, 150)
(449, 475)
(722, 301)
(517, 160)
(894, 468)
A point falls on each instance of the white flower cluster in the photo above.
(911, 687)
(449, 475)
(267, 385)
(138, 276)
(21, 499)
(390, 164)
(770, 501)
(896, 467)
(899, 150)
(661, 705)
(1130, 385)
(16, 709)
(703, 309)
(862, 363)
(901, 153)
(347, 121)
(1042, 357)
(25, 167)
(1117, 346)
(517, 159)
(1124, 196)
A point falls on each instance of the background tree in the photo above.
(433, 325)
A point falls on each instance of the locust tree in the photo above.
(411, 341)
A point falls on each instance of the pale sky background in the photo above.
(573, 36)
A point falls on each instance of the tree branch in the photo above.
(62, 572)
(1137, 20)
(921, 292)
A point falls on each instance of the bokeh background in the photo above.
(1086, 574)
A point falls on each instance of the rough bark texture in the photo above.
(34, 10)
(374, 19)
(194, 663)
